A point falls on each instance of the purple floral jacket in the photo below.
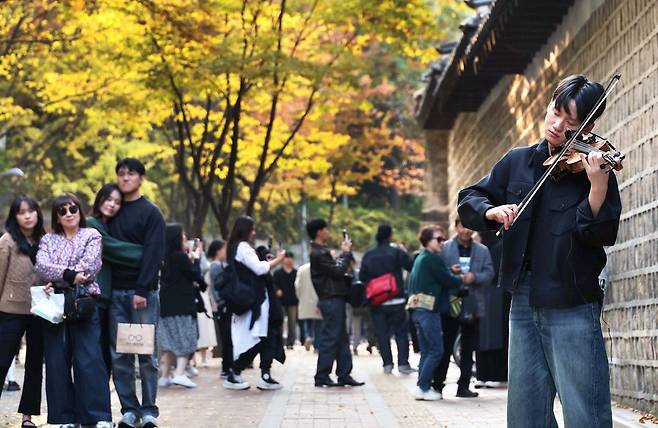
(82, 252)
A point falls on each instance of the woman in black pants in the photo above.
(18, 251)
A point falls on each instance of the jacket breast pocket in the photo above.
(517, 190)
(563, 213)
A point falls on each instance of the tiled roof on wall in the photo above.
(501, 38)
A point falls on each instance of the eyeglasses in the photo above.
(61, 211)
(439, 238)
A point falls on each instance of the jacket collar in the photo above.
(540, 148)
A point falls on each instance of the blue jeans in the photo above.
(430, 338)
(389, 319)
(556, 350)
(123, 365)
(85, 397)
(334, 342)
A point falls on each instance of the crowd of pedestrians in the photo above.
(237, 299)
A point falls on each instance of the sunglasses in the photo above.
(439, 238)
(72, 209)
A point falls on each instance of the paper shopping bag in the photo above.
(47, 306)
(135, 339)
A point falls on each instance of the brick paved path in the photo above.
(385, 401)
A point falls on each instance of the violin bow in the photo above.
(526, 200)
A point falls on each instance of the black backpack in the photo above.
(239, 296)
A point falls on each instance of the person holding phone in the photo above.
(328, 275)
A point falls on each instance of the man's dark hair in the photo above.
(585, 94)
(12, 227)
(384, 233)
(315, 225)
(63, 200)
(290, 255)
(132, 165)
(101, 197)
(214, 247)
(458, 221)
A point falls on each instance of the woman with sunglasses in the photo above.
(18, 251)
(71, 256)
(429, 282)
(115, 252)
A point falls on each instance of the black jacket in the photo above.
(327, 274)
(563, 238)
(177, 289)
(384, 259)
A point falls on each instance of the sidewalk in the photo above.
(385, 401)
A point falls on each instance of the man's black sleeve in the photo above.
(601, 230)
(406, 262)
(153, 254)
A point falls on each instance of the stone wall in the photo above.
(597, 38)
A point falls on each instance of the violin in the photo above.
(570, 162)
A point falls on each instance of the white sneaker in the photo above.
(164, 382)
(149, 421)
(128, 420)
(238, 378)
(266, 383)
(493, 384)
(104, 424)
(68, 426)
(183, 380)
(231, 383)
(191, 371)
(418, 393)
(430, 395)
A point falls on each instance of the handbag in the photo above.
(240, 297)
(47, 306)
(356, 293)
(78, 304)
(381, 289)
(421, 301)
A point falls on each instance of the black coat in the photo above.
(569, 257)
(384, 259)
(177, 288)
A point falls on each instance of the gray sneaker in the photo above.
(407, 370)
(149, 421)
(388, 369)
(128, 420)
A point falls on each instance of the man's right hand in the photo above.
(504, 214)
(139, 302)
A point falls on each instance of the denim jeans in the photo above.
(123, 365)
(333, 343)
(85, 397)
(430, 338)
(387, 320)
(311, 328)
(556, 350)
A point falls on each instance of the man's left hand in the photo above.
(598, 176)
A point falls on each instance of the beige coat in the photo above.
(17, 275)
(308, 298)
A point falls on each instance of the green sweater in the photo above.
(430, 275)
(114, 252)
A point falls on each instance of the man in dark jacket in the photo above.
(328, 276)
(389, 316)
(284, 284)
(551, 260)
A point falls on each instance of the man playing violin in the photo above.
(551, 260)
